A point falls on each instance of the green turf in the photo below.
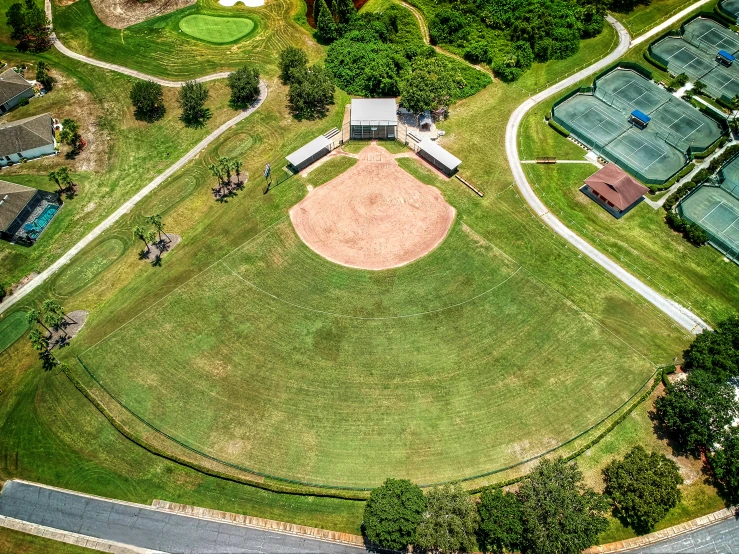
(16, 542)
(86, 267)
(219, 30)
(650, 14)
(12, 328)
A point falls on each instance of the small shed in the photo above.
(725, 58)
(438, 156)
(425, 121)
(640, 119)
(309, 153)
(374, 118)
(614, 189)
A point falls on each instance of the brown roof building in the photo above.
(13, 87)
(613, 189)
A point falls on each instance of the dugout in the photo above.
(724, 58)
(640, 119)
(373, 118)
(438, 157)
(309, 153)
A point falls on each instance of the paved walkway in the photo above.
(146, 528)
(719, 538)
(681, 315)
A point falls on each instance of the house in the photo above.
(13, 88)
(373, 118)
(614, 189)
(24, 211)
(27, 138)
(438, 156)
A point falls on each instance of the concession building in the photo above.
(614, 189)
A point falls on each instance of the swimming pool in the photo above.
(34, 228)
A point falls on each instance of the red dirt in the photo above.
(373, 216)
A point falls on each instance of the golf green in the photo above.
(220, 30)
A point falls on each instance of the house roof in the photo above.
(374, 111)
(13, 198)
(447, 159)
(308, 150)
(11, 85)
(25, 134)
(613, 184)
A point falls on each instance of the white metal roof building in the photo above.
(308, 153)
(437, 156)
(374, 118)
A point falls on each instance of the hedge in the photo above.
(655, 63)
(674, 179)
(557, 127)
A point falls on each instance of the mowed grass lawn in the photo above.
(12, 328)
(282, 362)
(220, 30)
(650, 14)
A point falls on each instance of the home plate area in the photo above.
(374, 216)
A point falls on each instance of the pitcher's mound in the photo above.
(373, 216)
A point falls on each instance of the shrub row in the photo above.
(557, 127)
(679, 194)
(655, 63)
(675, 178)
(692, 232)
(711, 149)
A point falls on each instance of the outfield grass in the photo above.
(218, 30)
(15, 541)
(12, 328)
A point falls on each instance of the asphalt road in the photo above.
(144, 527)
(719, 538)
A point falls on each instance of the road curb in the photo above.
(664, 534)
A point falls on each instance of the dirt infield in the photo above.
(120, 14)
(373, 216)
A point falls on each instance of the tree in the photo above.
(225, 164)
(392, 514)
(30, 26)
(244, 84)
(643, 488)
(697, 410)
(70, 135)
(158, 224)
(325, 24)
(216, 171)
(678, 81)
(725, 464)
(34, 316)
(501, 522)
(699, 87)
(147, 98)
(236, 166)
(345, 10)
(561, 515)
(430, 85)
(65, 176)
(54, 178)
(311, 94)
(43, 77)
(192, 98)
(38, 341)
(143, 235)
(293, 63)
(716, 352)
(450, 521)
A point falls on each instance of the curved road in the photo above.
(681, 315)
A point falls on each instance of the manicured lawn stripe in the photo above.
(12, 328)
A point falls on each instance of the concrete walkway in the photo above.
(119, 68)
(125, 527)
(681, 315)
(127, 206)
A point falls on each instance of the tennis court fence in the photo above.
(720, 240)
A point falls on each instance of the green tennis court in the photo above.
(716, 210)
(219, 30)
(710, 36)
(730, 8)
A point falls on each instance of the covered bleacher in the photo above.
(309, 153)
(725, 58)
(436, 155)
(640, 119)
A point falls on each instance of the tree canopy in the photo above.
(311, 93)
(716, 352)
(30, 26)
(643, 487)
(293, 62)
(430, 84)
(147, 98)
(561, 515)
(450, 521)
(244, 85)
(393, 513)
(725, 464)
(192, 98)
(501, 521)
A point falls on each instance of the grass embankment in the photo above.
(15, 541)
(643, 18)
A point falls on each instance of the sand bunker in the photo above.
(373, 216)
(120, 14)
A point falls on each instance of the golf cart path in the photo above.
(129, 204)
(681, 315)
(119, 68)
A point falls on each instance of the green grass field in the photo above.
(650, 14)
(15, 541)
(12, 328)
(218, 30)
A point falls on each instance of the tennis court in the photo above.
(730, 7)
(602, 121)
(717, 212)
(711, 36)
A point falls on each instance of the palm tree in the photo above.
(54, 314)
(225, 164)
(54, 178)
(34, 316)
(38, 341)
(65, 176)
(140, 233)
(236, 166)
(156, 221)
(217, 173)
